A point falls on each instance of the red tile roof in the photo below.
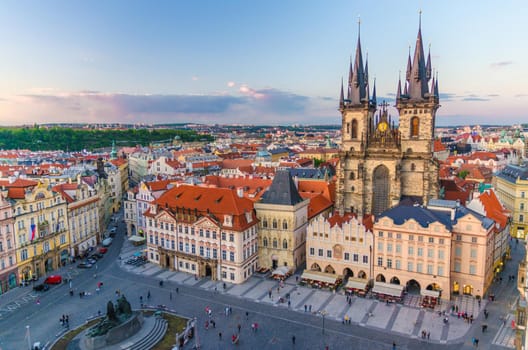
(494, 209)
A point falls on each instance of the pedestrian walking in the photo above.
(230, 310)
(141, 299)
(239, 326)
(305, 307)
(213, 323)
(177, 290)
(293, 339)
(428, 335)
(393, 345)
(219, 335)
(247, 315)
(38, 301)
(289, 303)
(148, 295)
(310, 308)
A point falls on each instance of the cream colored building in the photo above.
(283, 218)
(203, 231)
(511, 185)
(341, 245)
(83, 216)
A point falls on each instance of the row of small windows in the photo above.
(381, 234)
(275, 224)
(275, 243)
(346, 256)
(410, 267)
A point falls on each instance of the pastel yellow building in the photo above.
(511, 185)
(41, 228)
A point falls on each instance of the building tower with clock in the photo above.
(383, 162)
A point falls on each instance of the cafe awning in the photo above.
(281, 271)
(136, 239)
(320, 276)
(430, 293)
(356, 283)
(394, 290)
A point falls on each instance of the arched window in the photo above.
(415, 126)
(264, 223)
(284, 225)
(265, 242)
(354, 129)
(284, 244)
(274, 242)
(274, 223)
(352, 176)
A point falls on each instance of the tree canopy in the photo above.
(58, 138)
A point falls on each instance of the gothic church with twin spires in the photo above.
(381, 163)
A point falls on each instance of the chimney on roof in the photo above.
(240, 192)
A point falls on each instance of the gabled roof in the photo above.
(282, 190)
(493, 207)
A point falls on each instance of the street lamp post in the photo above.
(28, 336)
(323, 314)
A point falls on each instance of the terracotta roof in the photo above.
(336, 219)
(310, 188)
(16, 193)
(494, 209)
(18, 183)
(213, 202)
(438, 146)
(317, 205)
(236, 163)
(160, 185)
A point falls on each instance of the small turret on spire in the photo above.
(342, 96)
(366, 68)
(436, 92)
(398, 92)
(428, 65)
(409, 66)
(374, 92)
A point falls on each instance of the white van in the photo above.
(107, 242)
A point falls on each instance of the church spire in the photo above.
(374, 92)
(428, 64)
(418, 82)
(358, 83)
(409, 66)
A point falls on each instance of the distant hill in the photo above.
(57, 138)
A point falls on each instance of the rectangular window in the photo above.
(224, 255)
(321, 252)
(430, 253)
(430, 269)
(389, 234)
(223, 236)
(347, 256)
(420, 251)
(473, 239)
(441, 254)
(441, 241)
(411, 237)
(201, 251)
(355, 257)
(193, 249)
(312, 251)
(365, 259)
(410, 250)
(380, 261)
(440, 271)
(201, 232)
(472, 270)
(328, 253)
(232, 256)
(398, 248)
(409, 266)
(380, 234)
(458, 251)
(389, 247)
(458, 237)
(180, 246)
(457, 266)
(380, 246)
(389, 263)
(215, 253)
(473, 253)
(420, 238)
(419, 267)
(398, 236)
(231, 237)
(398, 264)
(431, 239)
(232, 276)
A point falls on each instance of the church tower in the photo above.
(417, 106)
(380, 163)
(357, 111)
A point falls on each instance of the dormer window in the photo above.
(249, 217)
(228, 220)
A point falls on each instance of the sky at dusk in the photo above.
(251, 62)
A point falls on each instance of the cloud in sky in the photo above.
(501, 64)
(231, 84)
(245, 105)
(195, 78)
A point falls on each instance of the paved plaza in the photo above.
(407, 319)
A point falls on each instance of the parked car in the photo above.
(107, 242)
(96, 256)
(41, 287)
(84, 265)
(53, 279)
(91, 261)
(103, 250)
(113, 232)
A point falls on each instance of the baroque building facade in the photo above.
(381, 163)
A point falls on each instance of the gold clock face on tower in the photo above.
(383, 126)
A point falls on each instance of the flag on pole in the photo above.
(33, 229)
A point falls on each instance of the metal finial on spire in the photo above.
(420, 19)
(359, 25)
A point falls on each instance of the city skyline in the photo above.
(251, 63)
